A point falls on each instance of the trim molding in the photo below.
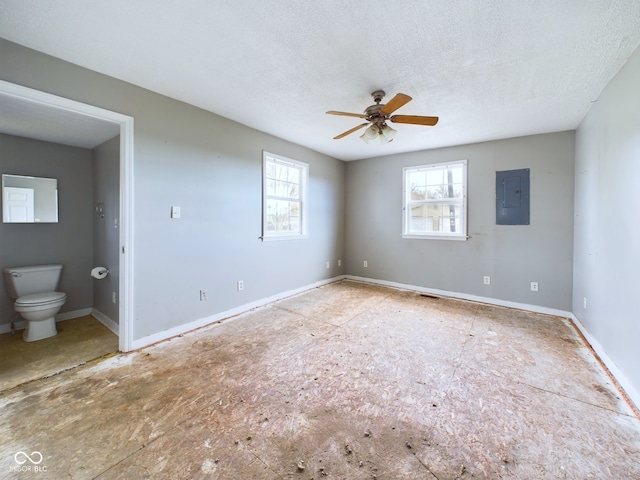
(126, 290)
(226, 315)
(626, 389)
(19, 324)
(465, 296)
(106, 321)
(60, 317)
(630, 394)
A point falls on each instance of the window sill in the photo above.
(275, 238)
(458, 238)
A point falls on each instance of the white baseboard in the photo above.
(624, 383)
(181, 329)
(106, 321)
(18, 325)
(465, 296)
(618, 376)
(60, 317)
(631, 392)
(74, 314)
(202, 322)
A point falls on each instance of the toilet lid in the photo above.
(40, 298)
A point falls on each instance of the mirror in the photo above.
(29, 199)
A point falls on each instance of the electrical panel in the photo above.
(512, 197)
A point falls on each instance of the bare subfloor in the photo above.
(347, 381)
(78, 340)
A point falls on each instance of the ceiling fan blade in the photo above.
(395, 103)
(346, 114)
(350, 131)
(414, 119)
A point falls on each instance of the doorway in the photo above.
(34, 106)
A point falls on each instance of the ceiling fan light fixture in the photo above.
(370, 134)
(382, 133)
(387, 133)
(377, 115)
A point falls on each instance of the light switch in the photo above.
(175, 212)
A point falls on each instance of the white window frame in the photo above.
(408, 203)
(303, 197)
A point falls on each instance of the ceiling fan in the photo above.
(377, 116)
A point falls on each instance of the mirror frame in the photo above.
(36, 198)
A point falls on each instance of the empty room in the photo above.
(304, 240)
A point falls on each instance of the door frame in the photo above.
(125, 122)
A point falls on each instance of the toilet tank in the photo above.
(21, 281)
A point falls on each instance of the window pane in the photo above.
(435, 176)
(270, 169)
(457, 190)
(418, 219)
(434, 192)
(454, 220)
(435, 217)
(282, 189)
(280, 171)
(287, 190)
(456, 174)
(435, 199)
(284, 201)
(418, 192)
(283, 216)
(285, 182)
(270, 186)
(293, 175)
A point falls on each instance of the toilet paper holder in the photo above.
(99, 272)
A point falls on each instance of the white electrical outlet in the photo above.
(240, 285)
(203, 295)
(339, 263)
(487, 280)
(534, 286)
(365, 264)
(584, 302)
(175, 212)
(328, 264)
(113, 297)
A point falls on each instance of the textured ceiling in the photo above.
(489, 69)
(30, 119)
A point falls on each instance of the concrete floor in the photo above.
(346, 381)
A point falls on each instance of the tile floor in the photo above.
(346, 381)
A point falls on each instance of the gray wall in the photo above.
(210, 167)
(513, 256)
(67, 242)
(607, 231)
(106, 231)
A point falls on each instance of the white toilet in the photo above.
(33, 289)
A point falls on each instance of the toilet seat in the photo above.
(40, 299)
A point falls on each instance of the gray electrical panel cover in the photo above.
(512, 197)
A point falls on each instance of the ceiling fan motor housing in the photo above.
(378, 95)
(373, 113)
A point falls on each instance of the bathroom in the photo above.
(86, 233)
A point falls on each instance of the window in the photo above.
(284, 197)
(435, 201)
